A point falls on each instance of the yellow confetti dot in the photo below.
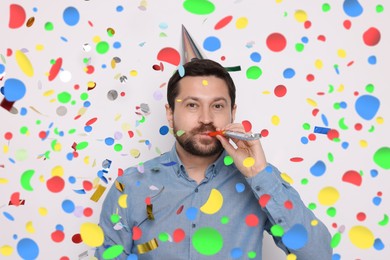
(179, 100)
(328, 196)
(86, 160)
(91, 85)
(135, 153)
(266, 92)
(213, 203)
(133, 73)
(361, 237)
(363, 143)
(318, 64)
(3, 181)
(126, 127)
(278, 1)
(42, 211)
(341, 88)
(96, 39)
(122, 201)
(5, 148)
(6, 250)
(248, 162)
(241, 23)
(39, 47)
(30, 227)
(287, 178)
(42, 178)
(24, 63)
(341, 53)
(311, 102)
(92, 234)
(57, 147)
(117, 117)
(48, 93)
(291, 256)
(205, 82)
(380, 120)
(300, 16)
(314, 222)
(275, 120)
(57, 171)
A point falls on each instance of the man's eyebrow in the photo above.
(198, 99)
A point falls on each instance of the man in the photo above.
(192, 202)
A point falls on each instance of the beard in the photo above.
(203, 148)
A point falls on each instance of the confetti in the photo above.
(91, 234)
(213, 204)
(17, 16)
(207, 241)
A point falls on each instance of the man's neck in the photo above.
(195, 165)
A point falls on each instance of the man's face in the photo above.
(203, 104)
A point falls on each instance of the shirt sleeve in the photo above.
(284, 207)
(113, 221)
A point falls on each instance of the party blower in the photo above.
(237, 135)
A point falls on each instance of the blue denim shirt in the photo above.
(180, 227)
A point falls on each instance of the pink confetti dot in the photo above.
(372, 36)
(252, 220)
(276, 42)
(280, 91)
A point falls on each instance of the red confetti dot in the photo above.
(361, 216)
(17, 16)
(89, 69)
(178, 235)
(252, 220)
(88, 212)
(356, 93)
(169, 55)
(312, 137)
(156, 67)
(332, 134)
(276, 42)
(264, 133)
(75, 154)
(263, 200)
(223, 58)
(130, 133)
(8, 136)
(57, 236)
(9, 52)
(55, 184)
(310, 77)
(148, 201)
(372, 36)
(76, 87)
(296, 159)
(90, 23)
(55, 68)
(358, 126)
(334, 225)
(180, 209)
(91, 121)
(223, 22)
(76, 238)
(123, 94)
(350, 63)
(379, 193)
(15, 199)
(42, 134)
(321, 38)
(64, 258)
(307, 24)
(352, 177)
(137, 233)
(347, 24)
(288, 204)
(280, 91)
(315, 111)
(247, 125)
(120, 171)
(87, 185)
(320, 93)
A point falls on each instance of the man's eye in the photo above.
(191, 105)
(218, 106)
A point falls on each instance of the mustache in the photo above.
(204, 128)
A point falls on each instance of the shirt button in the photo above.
(280, 221)
(193, 225)
(257, 188)
(196, 190)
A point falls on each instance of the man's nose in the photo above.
(205, 116)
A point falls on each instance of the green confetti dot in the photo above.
(163, 237)
(336, 105)
(81, 145)
(379, 8)
(252, 255)
(115, 218)
(304, 181)
(370, 88)
(49, 26)
(253, 72)
(25, 180)
(64, 97)
(225, 220)
(331, 212)
(228, 160)
(118, 147)
(24, 130)
(102, 47)
(331, 88)
(312, 206)
(335, 240)
(299, 47)
(207, 241)
(73, 102)
(326, 7)
(84, 96)
(38, 122)
(306, 126)
(372, 129)
(277, 230)
(72, 131)
(112, 252)
(53, 144)
(86, 60)
(199, 6)
(330, 157)
(382, 157)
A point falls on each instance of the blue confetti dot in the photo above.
(318, 169)
(378, 244)
(372, 60)
(296, 237)
(304, 140)
(181, 70)
(343, 104)
(352, 8)
(69, 156)
(72, 179)
(336, 257)
(137, 183)
(255, 57)
(59, 227)
(109, 141)
(236, 253)
(35, 9)
(367, 106)
(191, 213)
(117, 45)
(104, 66)
(71, 16)
(23, 111)
(87, 104)
(374, 173)
(132, 257)
(240, 187)
(211, 43)
(147, 142)
(288, 73)
(68, 206)
(8, 216)
(2, 69)
(305, 39)
(27, 249)
(377, 201)
(14, 89)
(87, 128)
(324, 120)
(64, 39)
(164, 130)
(119, 8)
(345, 145)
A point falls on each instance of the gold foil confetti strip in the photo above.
(149, 211)
(148, 246)
(119, 186)
(98, 193)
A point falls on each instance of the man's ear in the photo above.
(169, 115)
(234, 109)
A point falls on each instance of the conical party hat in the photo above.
(190, 50)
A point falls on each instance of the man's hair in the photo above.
(200, 67)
